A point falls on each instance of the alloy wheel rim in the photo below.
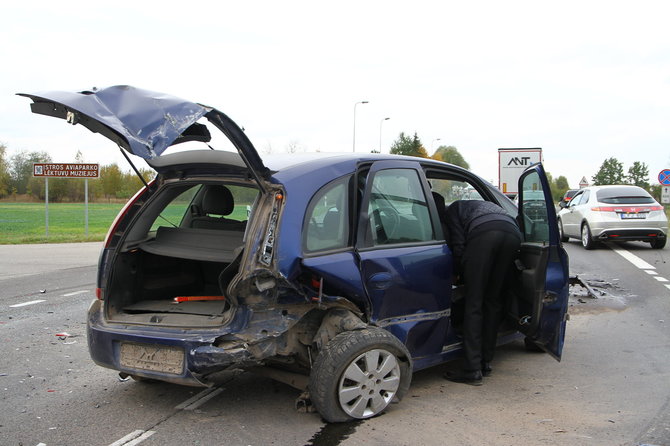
(369, 383)
(585, 235)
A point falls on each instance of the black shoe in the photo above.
(486, 369)
(471, 378)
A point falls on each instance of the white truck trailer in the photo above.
(511, 163)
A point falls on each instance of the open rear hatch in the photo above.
(159, 260)
(145, 123)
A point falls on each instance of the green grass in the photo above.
(25, 222)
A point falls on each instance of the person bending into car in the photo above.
(485, 241)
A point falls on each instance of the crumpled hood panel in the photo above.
(143, 122)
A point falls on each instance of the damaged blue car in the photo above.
(326, 271)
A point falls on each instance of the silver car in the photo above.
(613, 213)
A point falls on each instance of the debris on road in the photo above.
(575, 280)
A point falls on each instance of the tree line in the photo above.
(16, 174)
(612, 172)
(17, 180)
(412, 146)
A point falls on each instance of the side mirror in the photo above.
(562, 204)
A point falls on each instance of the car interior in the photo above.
(184, 245)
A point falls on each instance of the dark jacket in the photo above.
(464, 217)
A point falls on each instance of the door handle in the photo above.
(380, 281)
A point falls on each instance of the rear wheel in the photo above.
(358, 373)
(587, 240)
(658, 243)
(561, 234)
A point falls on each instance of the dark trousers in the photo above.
(487, 261)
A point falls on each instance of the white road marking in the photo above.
(75, 293)
(199, 399)
(638, 262)
(141, 438)
(133, 438)
(632, 258)
(32, 302)
(192, 403)
(41, 444)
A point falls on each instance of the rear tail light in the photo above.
(606, 209)
(633, 209)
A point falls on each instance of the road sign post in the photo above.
(46, 205)
(66, 170)
(86, 206)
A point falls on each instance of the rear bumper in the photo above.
(612, 227)
(201, 358)
(645, 235)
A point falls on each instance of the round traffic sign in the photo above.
(664, 177)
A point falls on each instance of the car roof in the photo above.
(286, 165)
(613, 186)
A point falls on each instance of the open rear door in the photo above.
(143, 122)
(543, 303)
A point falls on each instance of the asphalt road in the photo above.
(611, 388)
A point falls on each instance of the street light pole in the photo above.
(360, 102)
(433, 143)
(380, 133)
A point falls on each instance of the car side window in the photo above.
(534, 208)
(327, 218)
(585, 197)
(176, 209)
(453, 190)
(576, 199)
(398, 210)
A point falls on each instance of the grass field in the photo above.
(26, 222)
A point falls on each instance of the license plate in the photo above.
(632, 216)
(156, 358)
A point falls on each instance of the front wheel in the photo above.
(587, 240)
(358, 373)
(658, 243)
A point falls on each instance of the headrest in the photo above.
(218, 200)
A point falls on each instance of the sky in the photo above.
(583, 80)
